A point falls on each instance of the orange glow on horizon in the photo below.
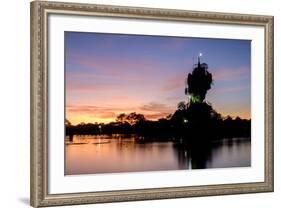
(75, 118)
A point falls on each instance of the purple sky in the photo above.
(109, 74)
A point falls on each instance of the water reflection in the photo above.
(123, 153)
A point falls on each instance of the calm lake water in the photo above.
(119, 153)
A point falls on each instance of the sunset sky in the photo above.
(109, 74)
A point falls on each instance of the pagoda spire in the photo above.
(198, 82)
(200, 54)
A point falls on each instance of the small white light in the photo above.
(200, 54)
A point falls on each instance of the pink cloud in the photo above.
(152, 111)
(155, 107)
(174, 84)
(232, 89)
(230, 74)
(85, 109)
(96, 87)
(117, 66)
(156, 116)
(172, 98)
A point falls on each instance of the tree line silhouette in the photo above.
(183, 123)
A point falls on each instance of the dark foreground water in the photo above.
(117, 153)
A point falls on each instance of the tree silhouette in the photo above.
(67, 122)
(181, 105)
(131, 118)
(121, 118)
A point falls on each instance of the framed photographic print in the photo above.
(144, 103)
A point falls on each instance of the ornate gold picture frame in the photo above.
(40, 89)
